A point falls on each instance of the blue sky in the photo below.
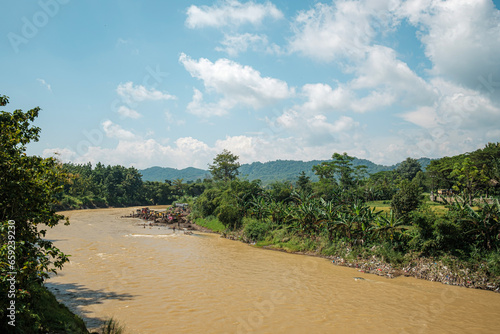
(173, 83)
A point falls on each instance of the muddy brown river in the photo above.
(154, 281)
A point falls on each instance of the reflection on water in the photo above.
(155, 281)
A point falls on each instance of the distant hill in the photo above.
(268, 172)
(165, 173)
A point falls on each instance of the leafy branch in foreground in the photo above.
(28, 185)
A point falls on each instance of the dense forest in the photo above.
(266, 172)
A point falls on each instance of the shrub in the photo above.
(254, 229)
(229, 215)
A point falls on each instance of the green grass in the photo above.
(384, 206)
(112, 326)
(211, 223)
(54, 316)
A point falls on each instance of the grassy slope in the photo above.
(53, 316)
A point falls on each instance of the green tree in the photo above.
(468, 179)
(340, 167)
(225, 166)
(406, 199)
(28, 185)
(280, 190)
(408, 169)
(304, 182)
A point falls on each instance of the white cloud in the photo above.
(373, 101)
(461, 37)
(45, 84)
(457, 108)
(244, 146)
(381, 80)
(424, 116)
(382, 69)
(230, 13)
(200, 108)
(128, 113)
(238, 84)
(233, 45)
(315, 129)
(461, 120)
(113, 130)
(342, 30)
(139, 93)
(321, 97)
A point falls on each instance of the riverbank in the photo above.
(152, 281)
(446, 270)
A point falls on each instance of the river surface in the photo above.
(154, 281)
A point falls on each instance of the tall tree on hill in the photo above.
(225, 166)
(408, 169)
(340, 167)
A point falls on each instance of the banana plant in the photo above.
(484, 224)
(388, 226)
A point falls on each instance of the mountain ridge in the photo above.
(277, 170)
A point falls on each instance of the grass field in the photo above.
(385, 206)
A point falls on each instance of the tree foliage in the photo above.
(225, 166)
(28, 185)
(408, 169)
(406, 199)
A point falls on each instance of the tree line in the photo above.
(103, 186)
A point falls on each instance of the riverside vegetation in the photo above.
(332, 217)
(30, 190)
(458, 244)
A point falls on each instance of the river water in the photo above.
(154, 281)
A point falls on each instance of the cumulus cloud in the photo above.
(461, 38)
(382, 69)
(457, 108)
(113, 130)
(236, 83)
(342, 30)
(315, 129)
(130, 93)
(200, 108)
(323, 98)
(461, 120)
(230, 13)
(128, 113)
